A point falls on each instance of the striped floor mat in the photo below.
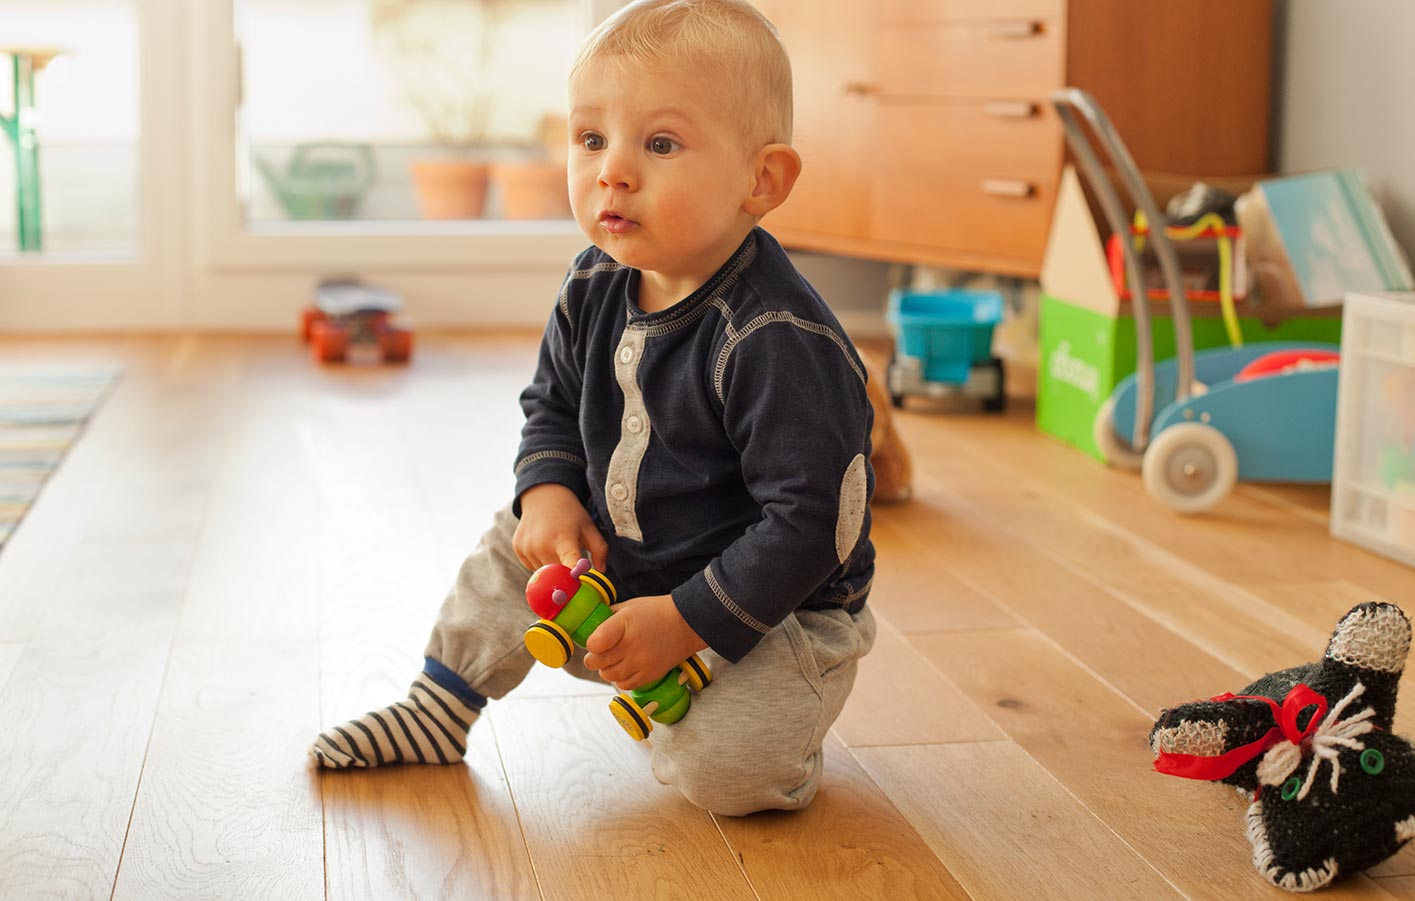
(42, 413)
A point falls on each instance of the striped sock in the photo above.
(430, 726)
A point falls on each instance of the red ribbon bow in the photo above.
(1194, 766)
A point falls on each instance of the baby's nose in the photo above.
(617, 174)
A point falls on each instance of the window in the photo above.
(69, 162)
(392, 110)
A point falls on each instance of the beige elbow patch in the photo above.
(854, 489)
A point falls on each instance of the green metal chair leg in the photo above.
(21, 133)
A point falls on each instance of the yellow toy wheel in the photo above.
(631, 717)
(549, 643)
(699, 676)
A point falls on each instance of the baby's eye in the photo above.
(662, 145)
(591, 141)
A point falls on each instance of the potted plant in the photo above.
(536, 187)
(441, 52)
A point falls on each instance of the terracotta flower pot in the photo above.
(451, 189)
(532, 190)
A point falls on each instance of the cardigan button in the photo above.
(618, 491)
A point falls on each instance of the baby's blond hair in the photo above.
(729, 37)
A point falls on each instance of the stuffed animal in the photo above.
(1333, 788)
(894, 472)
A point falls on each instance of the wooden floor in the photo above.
(246, 547)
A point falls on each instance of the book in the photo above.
(1320, 235)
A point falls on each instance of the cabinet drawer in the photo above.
(1017, 139)
(893, 12)
(959, 213)
(1005, 58)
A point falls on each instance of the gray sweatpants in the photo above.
(752, 740)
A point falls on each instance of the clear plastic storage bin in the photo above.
(1373, 476)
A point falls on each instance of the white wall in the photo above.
(1345, 97)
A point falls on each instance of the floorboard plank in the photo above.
(417, 832)
(77, 713)
(597, 823)
(382, 573)
(228, 805)
(914, 592)
(1401, 864)
(1023, 836)
(245, 546)
(38, 554)
(9, 656)
(1101, 628)
(1181, 593)
(1398, 886)
(851, 843)
(1094, 743)
(1253, 627)
(900, 699)
(1237, 541)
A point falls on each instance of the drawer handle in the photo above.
(1023, 29)
(1003, 109)
(860, 89)
(1008, 187)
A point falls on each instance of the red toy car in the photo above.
(346, 313)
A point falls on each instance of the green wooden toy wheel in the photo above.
(631, 717)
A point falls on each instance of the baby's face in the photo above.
(658, 169)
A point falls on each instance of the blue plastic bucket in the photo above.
(948, 331)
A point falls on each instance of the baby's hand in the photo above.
(645, 638)
(555, 528)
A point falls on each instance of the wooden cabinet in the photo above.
(926, 128)
(831, 71)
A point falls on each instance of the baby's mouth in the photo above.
(614, 223)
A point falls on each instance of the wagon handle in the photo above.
(1069, 102)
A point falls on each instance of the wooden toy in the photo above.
(571, 604)
(346, 313)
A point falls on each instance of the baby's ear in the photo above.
(775, 169)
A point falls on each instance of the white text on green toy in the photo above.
(571, 604)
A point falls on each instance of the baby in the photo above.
(697, 426)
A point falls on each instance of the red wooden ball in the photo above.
(544, 582)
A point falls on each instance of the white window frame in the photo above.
(143, 289)
(227, 241)
(466, 274)
(199, 264)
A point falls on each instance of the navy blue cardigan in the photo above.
(721, 446)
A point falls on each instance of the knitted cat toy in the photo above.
(1333, 789)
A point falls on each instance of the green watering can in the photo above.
(324, 180)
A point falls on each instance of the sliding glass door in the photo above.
(168, 164)
(90, 168)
